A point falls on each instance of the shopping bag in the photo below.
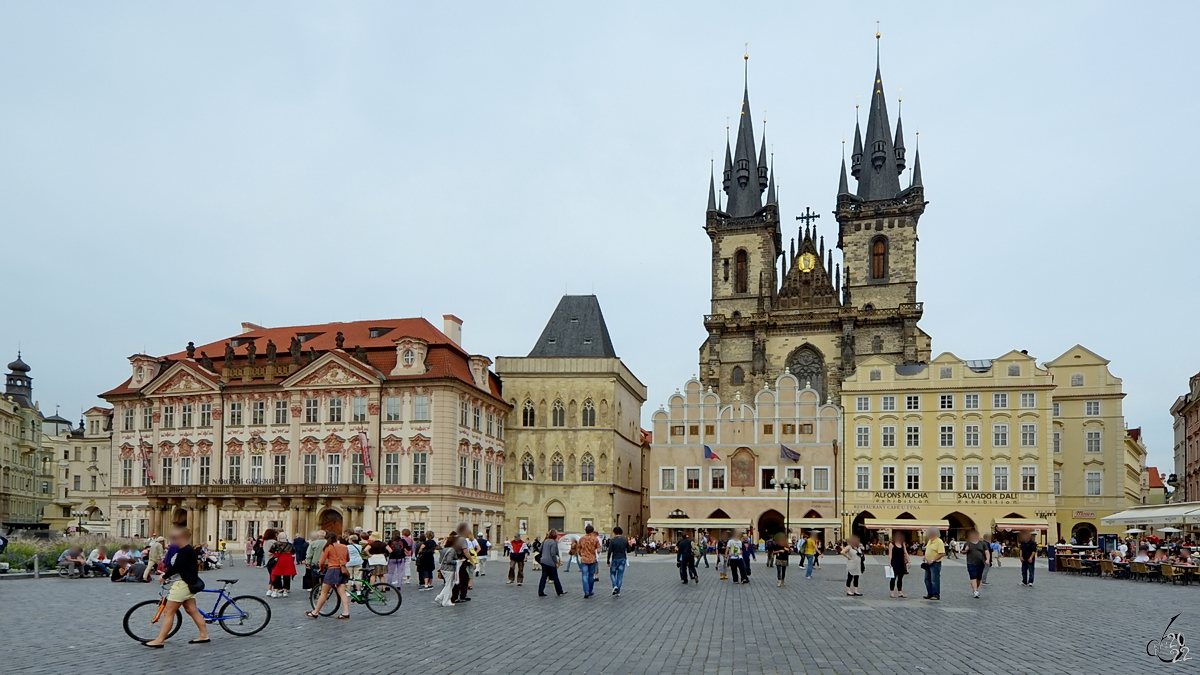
(888, 572)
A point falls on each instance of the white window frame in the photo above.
(912, 402)
(333, 468)
(972, 474)
(817, 471)
(971, 436)
(910, 472)
(421, 408)
(946, 435)
(1087, 483)
(887, 471)
(1093, 438)
(281, 412)
(1000, 435)
(887, 432)
(887, 403)
(861, 472)
(257, 468)
(1057, 441)
(420, 466)
(862, 436)
(970, 401)
(1000, 471)
(946, 402)
(1028, 399)
(358, 409)
(1028, 435)
(393, 409)
(699, 478)
(1056, 409)
(1028, 471)
(663, 472)
(1058, 483)
(862, 404)
(312, 411)
(713, 471)
(1091, 408)
(946, 471)
(336, 410)
(775, 473)
(912, 435)
(311, 472)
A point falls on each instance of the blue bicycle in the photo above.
(242, 616)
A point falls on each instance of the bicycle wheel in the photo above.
(332, 603)
(383, 599)
(140, 625)
(246, 615)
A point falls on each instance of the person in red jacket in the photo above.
(516, 559)
(284, 568)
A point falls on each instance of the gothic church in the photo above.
(797, 310)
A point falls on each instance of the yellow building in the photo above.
(738, 488)
(82, 459)
(27, 475)
(575, 444)
(1097, 465)
(958, 443)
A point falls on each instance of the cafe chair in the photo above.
(1168, 572)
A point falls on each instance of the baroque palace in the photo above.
(378, 424)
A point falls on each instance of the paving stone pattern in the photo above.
(1064, 624)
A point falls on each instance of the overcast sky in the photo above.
(169, 170)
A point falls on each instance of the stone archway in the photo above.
(331, 521)
(770, 523)
(1084, 533)
(959, 524)
(858, 526)
(556, 516)
(807, 363)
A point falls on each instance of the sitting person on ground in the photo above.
(98, 561)
(73, 560)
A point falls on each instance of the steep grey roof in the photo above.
(843, 186)
(878, 177)
(742, 177)
(916, 174)
(576, 329)
(712, 192)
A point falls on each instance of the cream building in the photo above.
(1097, 466)
(82, 459)
(955, 443)
(383, 425)
(26, 468)
(575, 443)
(736, 489)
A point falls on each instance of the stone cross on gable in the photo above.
(808, 216)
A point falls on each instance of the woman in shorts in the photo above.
(185, 564)
(334, 558)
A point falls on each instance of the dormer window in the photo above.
(141, 372)
(238, 342)
(409, 357)
(304, 337)
(380, 332)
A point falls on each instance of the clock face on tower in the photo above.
(808, 262)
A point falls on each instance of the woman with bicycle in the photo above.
(334, 559)
(184, 564)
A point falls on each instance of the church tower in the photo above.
(746, 244)
(878, 233)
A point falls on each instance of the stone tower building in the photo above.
(798, 311)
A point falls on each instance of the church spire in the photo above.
(879, 176)
(771, 184)
(843, 185)
(746, 182)
(856, 156)
(712, 188)
(916, 174)
(899, 145)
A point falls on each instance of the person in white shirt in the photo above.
(98, 560)
(564, 549)
(1143, 555)
(734, 551)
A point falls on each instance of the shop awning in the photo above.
(1020, 524)
(816, 523)
(904, 524)
(1163, 514)
(698, 523)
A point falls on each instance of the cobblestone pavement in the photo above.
(1064, 624)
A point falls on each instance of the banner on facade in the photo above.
(147, 466)
(366, 453)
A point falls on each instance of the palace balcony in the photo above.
(259, 490)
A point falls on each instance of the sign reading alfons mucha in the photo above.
(900, 497)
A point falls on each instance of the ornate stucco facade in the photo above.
(733, 490)
(575, 442)
(775, 311)
(27, 477)
(82, 462)
(1097, 464)
(258, 437)
(966, 442)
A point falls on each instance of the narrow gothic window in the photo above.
(877, 344)
(741, 273)
(528, 414)
(527, 467)
(738, 376)
(589, 413)
(556, 467)
(879, 259)
(559, 414)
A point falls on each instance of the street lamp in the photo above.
(790, 483)
(79, 520)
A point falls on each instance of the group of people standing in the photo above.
(548, 558)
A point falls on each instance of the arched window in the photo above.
(527, 467)
(879, 252)
(528, 414)
(589, 413)
(738, 376)
(877, 344)
(741, 272)
(556, 467)
(587, 468)
(558, 414)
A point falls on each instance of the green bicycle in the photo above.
(382, 599)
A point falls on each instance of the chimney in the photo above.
(452, 327)
(248, 327)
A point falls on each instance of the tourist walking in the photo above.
(426, 562)
(516, 560)
(734, 549)
(548, 559)
(571, 544)
(462, 546)
(284, 567)
(997, 551)
(155, 557)
(978, 555)
(812, 546)
(448, 566)
(856, 564)
(184, 564)
(407, 537)
(537, 552)
(483, 547)
(587, 547)
(703, 557)
(778, 550)
(685, 559)
(377, 558)
(354, 566)
(748, 554)
(249, 551)
(398, 552)
(618, 553)
(332, 566)
(897, 565)
(723, 557)
(935, 550)
(1028, 548)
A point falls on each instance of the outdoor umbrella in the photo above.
(1134, 530)
(1169, 529)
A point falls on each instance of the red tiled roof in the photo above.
(444, 359)
(1155, 478)
(1135, 434)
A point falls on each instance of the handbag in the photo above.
(307, 581)
(196, 586)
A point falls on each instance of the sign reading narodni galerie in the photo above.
(901, 497)
(988, 497)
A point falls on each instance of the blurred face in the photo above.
(179, 538)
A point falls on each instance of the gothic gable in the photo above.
(808, 283)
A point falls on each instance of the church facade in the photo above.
(776, 310)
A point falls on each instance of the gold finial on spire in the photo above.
(878, 34)
(746, 56)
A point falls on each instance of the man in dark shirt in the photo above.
(978, 556)
(618, 555)
(722, 556)
(1028, 556)
(686, 559)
